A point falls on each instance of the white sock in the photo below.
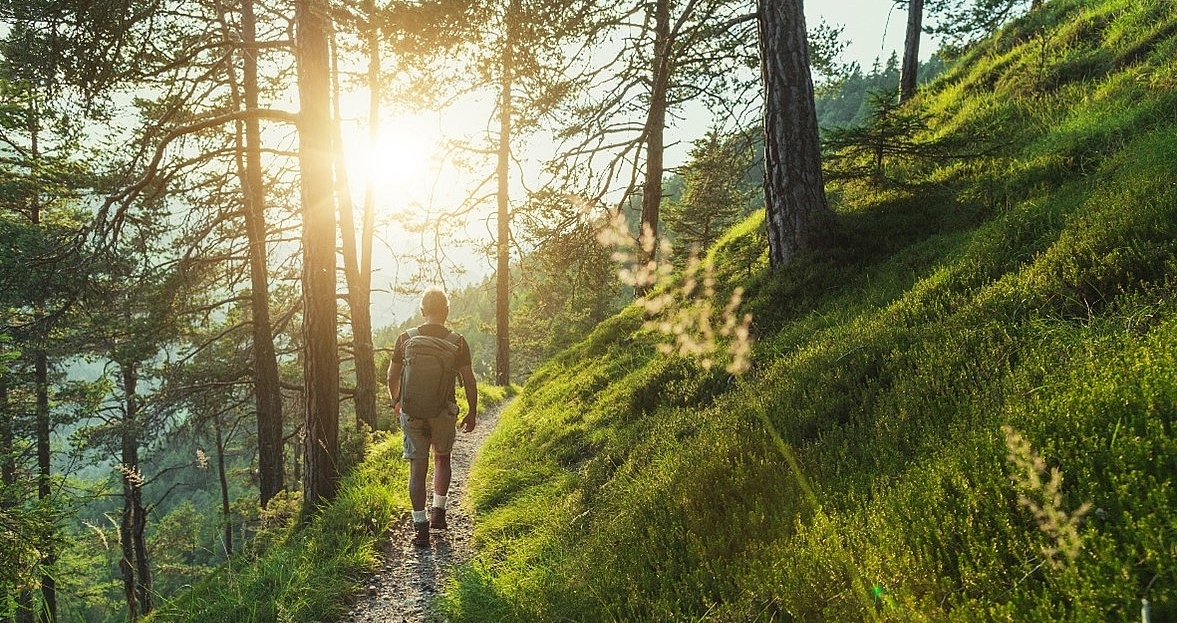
(420, 516)
(439, 501)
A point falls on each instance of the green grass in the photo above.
(859, 470)
(305, 573)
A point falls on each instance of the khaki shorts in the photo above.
(421, 434)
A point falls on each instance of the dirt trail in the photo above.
(409, 578)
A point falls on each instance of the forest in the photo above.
(886, 343)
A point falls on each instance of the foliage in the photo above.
(567, 284)
(964, 21)
(845, 101)
(714, 194)
(891, 133)
(292, 572)
(859, 470)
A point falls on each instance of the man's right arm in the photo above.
(394, 381)
(394, 374)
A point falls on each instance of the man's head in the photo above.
(434, 304)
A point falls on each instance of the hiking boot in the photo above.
(421, 534)
(437, 518)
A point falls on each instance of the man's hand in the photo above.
(468, 423)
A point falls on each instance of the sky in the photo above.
(874, 27)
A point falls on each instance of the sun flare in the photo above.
(402, 164)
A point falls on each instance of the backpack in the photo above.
(427, 382)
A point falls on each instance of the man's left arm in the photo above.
(471, 387)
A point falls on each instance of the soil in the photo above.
(403, 589)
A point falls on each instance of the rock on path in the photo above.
(402, 590)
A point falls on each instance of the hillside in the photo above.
(983, 320)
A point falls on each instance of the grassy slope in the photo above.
(859, 471)
(307, 573)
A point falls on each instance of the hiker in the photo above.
(419, 362)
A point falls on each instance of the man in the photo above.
(421, 431)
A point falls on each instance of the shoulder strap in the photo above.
(414, 332)
(453, 338)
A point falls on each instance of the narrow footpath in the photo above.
(404, 587)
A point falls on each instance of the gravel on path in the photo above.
(402, 590)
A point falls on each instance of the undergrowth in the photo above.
(294, 573)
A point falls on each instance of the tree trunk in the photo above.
(911, 50)
(503, 273)
(320, 363)
(797, 216)
(48, 611)
(358, 298)
(266, 381)
(223, 477)
(362, 319)
(655, 129)
(134, 566)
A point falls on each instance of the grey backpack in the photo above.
(427, 382)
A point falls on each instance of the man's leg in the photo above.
(442, 473)
(417, 471)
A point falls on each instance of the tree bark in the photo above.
(223, 477)
(503, 273)
(266, 381)
(320, 363)
(797, 215)
(911, 50)
(655, 128)
(48, 611)
(134, 564)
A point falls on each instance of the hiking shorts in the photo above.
(421, 434)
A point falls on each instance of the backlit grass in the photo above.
(859, 470)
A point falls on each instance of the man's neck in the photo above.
(434, 320)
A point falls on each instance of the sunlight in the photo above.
(402, 165)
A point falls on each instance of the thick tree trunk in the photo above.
(503, 273)
(655, 129)
(797, 215)
(911, 50)
(320, 362)
(266, 381)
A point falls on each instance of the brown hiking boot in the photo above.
(421, 534)
(437, 518)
